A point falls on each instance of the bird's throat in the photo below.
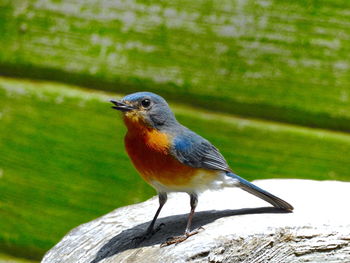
(141, 135)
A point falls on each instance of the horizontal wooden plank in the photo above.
(9, 259)
(62, 158)
(280, 60)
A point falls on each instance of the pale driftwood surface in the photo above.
(237, 228)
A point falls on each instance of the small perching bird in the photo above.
(172, 158)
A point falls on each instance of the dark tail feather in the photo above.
(253, 189)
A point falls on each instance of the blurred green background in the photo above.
(268, 82)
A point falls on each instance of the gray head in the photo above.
(146, 108)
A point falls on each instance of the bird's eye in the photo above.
(146, 103)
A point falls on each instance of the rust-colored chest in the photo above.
(149, 150)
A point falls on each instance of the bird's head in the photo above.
(145, 108)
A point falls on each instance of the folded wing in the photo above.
(195, 151)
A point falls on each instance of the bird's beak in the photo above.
(121, 106)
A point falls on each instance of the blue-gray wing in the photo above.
(195, 151)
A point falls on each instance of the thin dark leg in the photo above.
(188, 232)
(162, 200)
(150, 230)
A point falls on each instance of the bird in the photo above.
(172, 158)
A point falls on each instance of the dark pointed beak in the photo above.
(118, 105)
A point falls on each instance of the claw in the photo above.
(178, 239)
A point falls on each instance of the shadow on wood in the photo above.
(174, 226)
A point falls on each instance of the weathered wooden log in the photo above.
(281, 60)
(237, 228)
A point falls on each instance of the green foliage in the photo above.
(278, 60)
(62, 158)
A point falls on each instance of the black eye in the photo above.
(146, 103)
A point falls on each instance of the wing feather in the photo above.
(195, 151)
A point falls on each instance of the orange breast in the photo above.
(149, 151)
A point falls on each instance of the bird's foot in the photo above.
(148, 234)
(178, 239)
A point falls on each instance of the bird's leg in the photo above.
(162, 200)
(188, 232)
(151, 230)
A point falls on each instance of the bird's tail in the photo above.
(257, 191)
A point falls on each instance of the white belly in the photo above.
(204, 180)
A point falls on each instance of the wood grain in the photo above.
(280, 60)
